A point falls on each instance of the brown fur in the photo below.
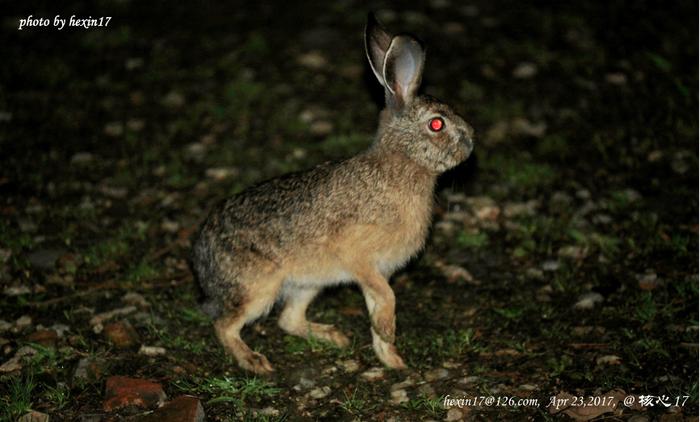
(356, 220)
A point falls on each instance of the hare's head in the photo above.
(423, 128)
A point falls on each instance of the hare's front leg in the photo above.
(293, 318)
(381, 304)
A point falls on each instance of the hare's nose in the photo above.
(466, 140)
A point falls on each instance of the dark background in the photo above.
(115, 141)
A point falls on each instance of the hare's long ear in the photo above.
(377, 42)
(403, 70)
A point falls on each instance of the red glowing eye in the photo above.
(436, 124)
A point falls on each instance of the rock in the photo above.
(408, 382)
(22, 322)
(4, 326)
(648, 281)
(321, 128)
(373, 374)
(46, 338)
(454, 273)
(616, 78)
(525, 70)
(550, 265)
(16, 290)
(398, 396)
(114, 129)
(170, 226)
(484, 208)
(97, 320)
(521, 126)
(572, 251)
(269, 411)
(454, 414)
(195, 151)
(468, 380)
(15, 362)
(608, 360)
(45, 259)
(180, 409)
(152, 350)
(221, 173)
(588, 301)
(516, 209)
(313, 60)
(436, 374)
(122, 334)
(123, 392)
(173, 100)
(306, 381)
(350, 365)
(320, 392)
(135, 299)
(89, 369)
(34, 416)
(135, 125)
(82, 158)
(114, 192)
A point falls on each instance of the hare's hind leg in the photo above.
(293, 318)
(228, 327)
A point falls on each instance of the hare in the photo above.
(356, 220)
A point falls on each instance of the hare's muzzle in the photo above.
(467, 144)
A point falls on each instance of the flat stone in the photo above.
(454, 414)
(436, 374)
(180, 409)
(588, 301)
(89, 369)
(15, 363)
(123, 392)
(97, 321)
(320, 392)
(46, 338)
(34, 416)
(525, 70)
(16, 290)
(399, 396)
(152, 350)
(373, 374)
(122, 334)
(350, 365)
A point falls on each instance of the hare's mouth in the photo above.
(468, 143)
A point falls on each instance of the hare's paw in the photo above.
(388, 354)
(255, 362)
(329, 333)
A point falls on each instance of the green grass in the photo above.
(472, 240)
(424, 403)
(19, 398)
(354, 404)
(229, 389)
(519, 172)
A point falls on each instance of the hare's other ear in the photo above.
(377, 42)
(403, 70)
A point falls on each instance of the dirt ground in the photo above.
(560, 278)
